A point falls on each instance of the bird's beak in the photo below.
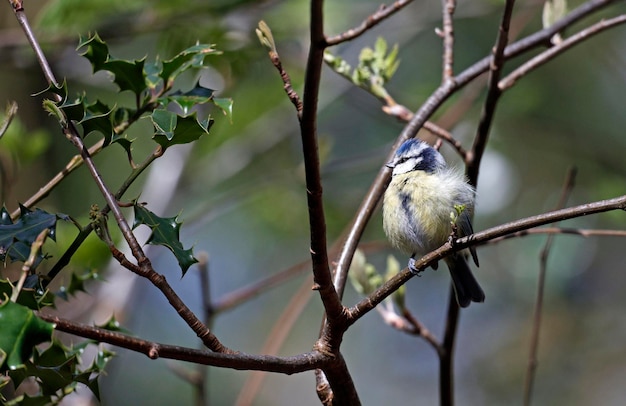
(390, 165)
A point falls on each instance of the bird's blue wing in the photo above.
(464, 224)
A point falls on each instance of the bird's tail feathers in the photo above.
(466, 287)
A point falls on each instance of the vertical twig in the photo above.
(201, 385)
(543, 261)
(446, 356)
(448, 7)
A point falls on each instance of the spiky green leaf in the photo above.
(171, 129)
(16, 238)
(128, 75)
(166, 232)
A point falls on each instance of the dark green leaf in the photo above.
(171, 129)
(54, 368)
(165, 231)
(187, 100)
(16, 238)
(97, 117)
(128, 75)
(21, 331)
(164, 123)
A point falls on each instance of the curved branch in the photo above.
(381, 14)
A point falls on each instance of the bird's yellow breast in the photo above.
(417, 209)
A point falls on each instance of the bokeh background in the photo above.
(240, 192)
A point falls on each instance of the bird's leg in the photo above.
(412, 267)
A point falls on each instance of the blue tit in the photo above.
(419, 204)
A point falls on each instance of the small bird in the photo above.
(422, 203)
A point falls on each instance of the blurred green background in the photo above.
(241, 193)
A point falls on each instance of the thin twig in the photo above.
(381, 14)
(543, 263)
(448, 7)
(561, 230)
(560, 47)
(201, 373)
(74, 163)
(265, 36)
(35, 249)
(422, 331)
(145, 270)
(10, 112)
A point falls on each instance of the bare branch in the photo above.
(239, 360)
(560, 47)
(561, 230)
(448, 7)
(74, 163)
(381, 14)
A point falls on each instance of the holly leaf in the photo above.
(16, 238)
(187, 100)
(21, 332)
(128, 75)
(97, 118)
(166, 232)
(171, 129)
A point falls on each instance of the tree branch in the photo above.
(308, 130)
(381, 14)
(448, 7)
(240, 361)
(551, 53)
